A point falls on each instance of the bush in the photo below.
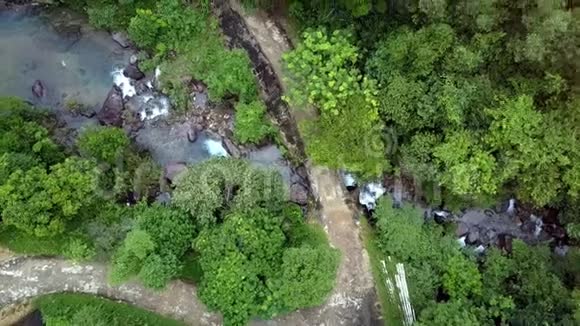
(251, 124)
(82, 309)
(79, 250)
(105, 144)
(145, 28)
(153, 250)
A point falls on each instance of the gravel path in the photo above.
(22, 278)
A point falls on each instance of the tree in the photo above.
(452, 313)
(250, 271)
(462, 278)
(467, 168)
(307, 274)
(42, 203)
(105, 144)
(221, 185)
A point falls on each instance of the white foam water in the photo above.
(215, 148)
(124, 83)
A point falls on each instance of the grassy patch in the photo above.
(78, 309)
(23, 243)
(389, 307)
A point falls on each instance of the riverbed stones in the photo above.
(173, 169)
(122, 39)
(132, 71)
(38, 89)
(112, 112)
(231, 148)
(299, 194)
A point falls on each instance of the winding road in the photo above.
(352, 302)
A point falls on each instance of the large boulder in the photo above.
(299, 194)
(112, 112)
(231, 148)
(122, 39)
(173, 169)
(132, 71)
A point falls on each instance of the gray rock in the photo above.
(231, 148)
(172, 170)
(133, 72)
(133, 59)
(112, 111)
(473, 236)
(192, 135)
(462, 229)
(299, 194)
(38, 89)
(122, 39)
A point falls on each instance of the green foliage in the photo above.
(79, 250)
(306, 273)
(453, 313)
(146, 179)
(82, 309)
(186, 42)
(350, 140)
(251, 124)
(145, 28)
(249, 271)
(42, 203)
(521, 289)
(154, 248)
(219, 185)
(322, 70)
(105, 144)
(462, 278)
(21, 131)
(25, 243)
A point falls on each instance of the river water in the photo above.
(48, 48)
(76, 62)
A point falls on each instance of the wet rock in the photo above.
(231, 148)
(473, 236)
(299, 194)
(38, 89)
(164, 198)
(122, 39)
(172, 170)
(462, 229)
(132, 71)
(133, 59)
(192, 135)
(112, 112)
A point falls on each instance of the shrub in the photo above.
(251, 124)
(105, 144)
(79, 250)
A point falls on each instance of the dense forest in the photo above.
(473, 101)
